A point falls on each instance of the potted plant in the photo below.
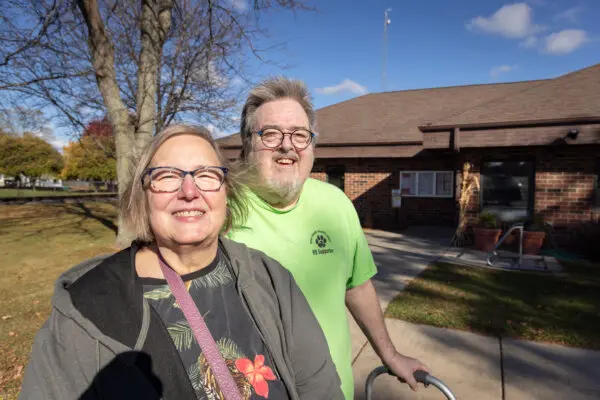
(534, 235)
(486, 232)
(511, 242)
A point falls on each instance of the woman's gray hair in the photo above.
(134, 207)
(270, 90)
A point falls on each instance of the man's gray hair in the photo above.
(270, 90)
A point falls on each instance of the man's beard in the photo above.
(275, 192)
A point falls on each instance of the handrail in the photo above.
(494, 254)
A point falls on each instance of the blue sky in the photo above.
(431, 43)
(337, 50)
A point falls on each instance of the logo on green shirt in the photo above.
(321, 240)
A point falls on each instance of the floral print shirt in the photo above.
(214, 292)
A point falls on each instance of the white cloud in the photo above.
(513, 21)
(565, 42)
(346, 86)
(236, 81)
(240, 5)
(216, 132)
(59, 143)
(530, 42)
(501, 69)
(570, 15)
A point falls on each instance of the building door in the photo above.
(507, 189)
(335, 175)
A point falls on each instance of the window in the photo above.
(408, 183)
(597, 186)
(427, 183)
(507, 189)
(444, 184)
(335, 175)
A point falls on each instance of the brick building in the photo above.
(535, 146)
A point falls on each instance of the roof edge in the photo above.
(361, 144)
(444, 87)
(370, 144)
(513, 124)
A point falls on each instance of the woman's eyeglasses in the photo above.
(170, 179)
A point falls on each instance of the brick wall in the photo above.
(564, 185)
(427, 211)
(369, 182)
(564, 182)
(318, 172)
(321, 176)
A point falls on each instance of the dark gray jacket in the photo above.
(103, 341)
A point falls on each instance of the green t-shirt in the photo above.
(320, 241)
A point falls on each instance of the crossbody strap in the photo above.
(203, 336)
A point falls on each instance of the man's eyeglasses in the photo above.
(170, 179)
(272, 138)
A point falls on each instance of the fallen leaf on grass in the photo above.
(18, 372)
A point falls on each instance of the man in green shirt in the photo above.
(311, 227)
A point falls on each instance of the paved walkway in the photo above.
(505, 260)
(476, 367)
(399, 258)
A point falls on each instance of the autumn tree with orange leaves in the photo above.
(93, 157)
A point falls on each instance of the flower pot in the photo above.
(533, 241)
(486, 238)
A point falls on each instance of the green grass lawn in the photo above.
(555, 308)
(39, 193)
(37, 243)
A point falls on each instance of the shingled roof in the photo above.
(400, 117)
(394, 117)
(572, 96)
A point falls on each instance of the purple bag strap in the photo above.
(203, 336)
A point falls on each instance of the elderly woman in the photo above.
(183, 313)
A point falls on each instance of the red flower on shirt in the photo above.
(257, 374)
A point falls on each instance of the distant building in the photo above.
(6, 181)
(534, 145)
(45, 181)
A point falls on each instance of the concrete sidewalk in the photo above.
(399, 258)
(480, 367)
(474, 366)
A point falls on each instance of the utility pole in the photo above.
(386, 22)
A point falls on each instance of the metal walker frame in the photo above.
(420, 376)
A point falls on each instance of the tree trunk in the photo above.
(124, 146)
(155, 25)
(103, 60)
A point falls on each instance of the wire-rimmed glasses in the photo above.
(273, 137)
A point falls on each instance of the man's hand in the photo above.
(364, 305)
(403, 367)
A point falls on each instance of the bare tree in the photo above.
(143, 63)
(20, 120)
